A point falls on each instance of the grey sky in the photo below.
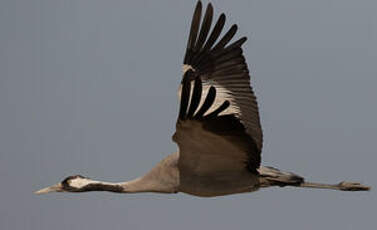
(89, 87)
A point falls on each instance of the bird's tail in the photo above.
(270, 176)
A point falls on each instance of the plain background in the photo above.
(89, 87)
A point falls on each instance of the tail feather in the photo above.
(273, 176)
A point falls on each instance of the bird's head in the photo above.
(79, 183)
(76, 183)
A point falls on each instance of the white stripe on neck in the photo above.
(80, 182)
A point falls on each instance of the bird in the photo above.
(218, 129)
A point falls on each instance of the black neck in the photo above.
(102, 187)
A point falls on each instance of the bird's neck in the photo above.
(102, 186)
(163, 178)
(139, 185)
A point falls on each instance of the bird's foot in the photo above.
(352, 186)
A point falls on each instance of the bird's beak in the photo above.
(55, 188)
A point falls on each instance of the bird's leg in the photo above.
(343, 186)
(270, 176)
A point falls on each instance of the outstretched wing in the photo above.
(218, 127)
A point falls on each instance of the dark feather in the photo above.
(215, 32)
(185, 96)
(206, 25)
(216, 112)
(227, 37)
(193, 31)
(207, 103)
(230, 127)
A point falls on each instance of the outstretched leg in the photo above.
(270, 176)
(343, 186)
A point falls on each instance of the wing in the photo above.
(211, 143)
(218, 127)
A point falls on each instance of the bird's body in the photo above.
(218, 130)
(177, 179)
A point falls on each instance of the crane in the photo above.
(218, 130)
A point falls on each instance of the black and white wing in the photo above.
(218, 128)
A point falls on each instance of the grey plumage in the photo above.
(218, 130)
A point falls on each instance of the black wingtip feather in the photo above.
(208, 102)
(205, 28)
(237, 43)
(220, 109)
(185, 95)
(227, 37)
(195, 22)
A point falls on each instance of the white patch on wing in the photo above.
(179, 92)
(185, 68)
(222, 95)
